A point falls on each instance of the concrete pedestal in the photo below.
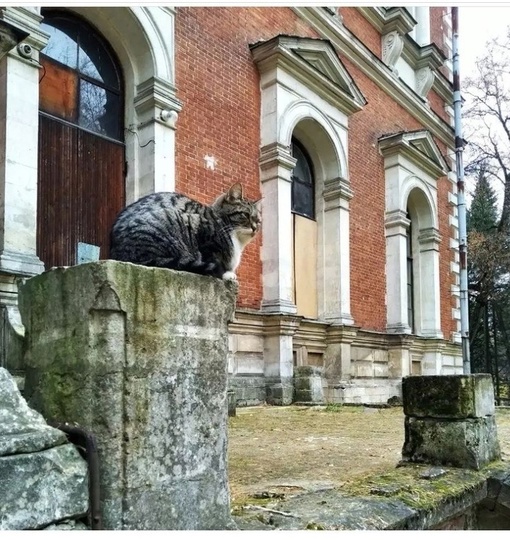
(138, 356)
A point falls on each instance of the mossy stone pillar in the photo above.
(138, 356)
(450, 420)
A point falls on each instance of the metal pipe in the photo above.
(85, 439)
(461, 199)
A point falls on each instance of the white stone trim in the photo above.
(412, 165)
(353, 49)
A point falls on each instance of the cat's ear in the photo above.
(258, 205)
(235, 193)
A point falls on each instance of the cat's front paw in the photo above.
(229, 276)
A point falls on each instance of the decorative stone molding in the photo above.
(392, 45)
(154, 96)
(313, 62)
(28, 20)
(275, 155)
(424, 81)
(419, 147)
(413, 163)
(357, 52)
(337, 193)
(429, 239)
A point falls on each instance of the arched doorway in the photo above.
(81, 168)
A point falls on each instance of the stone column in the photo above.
(19, 125)
(428, 241)
(450, 420)
(19, 104)
(397, 225)
(138, 356)
(157, 110)
(336, 295)
(279, 358)
(276, 164)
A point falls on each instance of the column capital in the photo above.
(276, 155)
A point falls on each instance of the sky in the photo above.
(478, 24)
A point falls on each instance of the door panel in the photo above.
(80, 190)
(305, 266)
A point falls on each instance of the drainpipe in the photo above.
(79, 437)
(461, 199)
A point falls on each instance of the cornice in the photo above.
(353, 49)
(386, 20)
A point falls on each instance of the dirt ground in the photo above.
(278, 450)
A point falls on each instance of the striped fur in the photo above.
(170, 230)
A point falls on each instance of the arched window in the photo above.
(303, 188)
(80, 82)
(304, 233)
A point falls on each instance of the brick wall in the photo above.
(218, 84)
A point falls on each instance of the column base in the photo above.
(20, 263)
(278, 306)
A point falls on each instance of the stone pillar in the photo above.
(450, 420)
(19, 106)
(19, 103)
(279, 358)
(428, 241)
(276, 164)
(157, 110)
(397, 225)
(335, 289)
(138, 356)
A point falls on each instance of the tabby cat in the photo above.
(170, 230)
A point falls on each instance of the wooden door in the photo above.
(81, 149)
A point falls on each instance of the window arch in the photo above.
(81, 81)
(303, 182)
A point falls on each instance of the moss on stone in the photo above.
(419, 493)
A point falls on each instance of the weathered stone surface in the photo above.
(42, 488)
(22, 429)
(138, 356)
(68, 525)
(448, 396)
(470, 443)
(308, 384)
(329, 510)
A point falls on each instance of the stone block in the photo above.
(448, 396)
(138, 356)
(42, 488)
(22, 430)
(308, 384)
(471, 443)
(280, 393)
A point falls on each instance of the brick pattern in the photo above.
(218, 84)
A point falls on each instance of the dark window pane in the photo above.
(99, 110)
(303, 196)
(95, 61)
(62, 44)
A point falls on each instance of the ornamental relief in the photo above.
(392, 45)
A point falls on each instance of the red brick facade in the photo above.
(218, 85)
